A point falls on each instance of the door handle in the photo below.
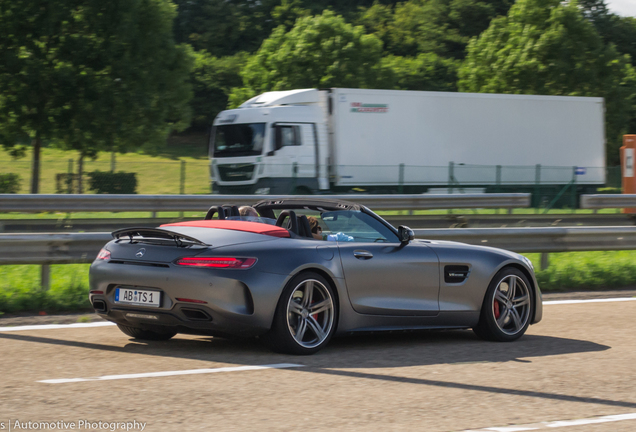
(362, 254)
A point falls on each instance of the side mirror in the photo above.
(405, 234)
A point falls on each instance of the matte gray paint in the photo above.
(228, 293)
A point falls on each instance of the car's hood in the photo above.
(454, 244)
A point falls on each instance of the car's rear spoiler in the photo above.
(156, 233)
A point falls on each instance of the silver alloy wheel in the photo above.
(310, 313)
(511, 304)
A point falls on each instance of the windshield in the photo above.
(355, 226)
(238, 140)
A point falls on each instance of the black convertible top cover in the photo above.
(304, 203)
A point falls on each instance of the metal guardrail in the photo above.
(71, 248)
(83, 247)
(542, 240)
(602, 201)
(162, 203)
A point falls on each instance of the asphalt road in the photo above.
(578, 363)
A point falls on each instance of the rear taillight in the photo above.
(217, 262)
(103, 254)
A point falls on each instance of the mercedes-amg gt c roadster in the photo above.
(303, 271)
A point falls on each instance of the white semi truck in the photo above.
(336, 140)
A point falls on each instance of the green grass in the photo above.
(155, 174)
(587, 270)
(20, 284)
(20, 288)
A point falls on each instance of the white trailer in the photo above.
(315, 141)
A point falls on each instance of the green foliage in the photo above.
(20, 288)
(421, 26)
(320, 51)
(427, 71)
(91, 75)
(9, 183)
(547, 47)
(105, 182)
(213, 80)
(587, 270)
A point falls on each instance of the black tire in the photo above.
(144, 334)
(498, 322)
(282, 335)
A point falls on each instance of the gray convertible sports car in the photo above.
(278, 277)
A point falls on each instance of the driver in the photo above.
(316, 229)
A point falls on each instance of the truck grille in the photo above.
(236, 172)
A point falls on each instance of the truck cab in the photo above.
(274, 143)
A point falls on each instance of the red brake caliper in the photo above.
(314, 315)
(496, 307)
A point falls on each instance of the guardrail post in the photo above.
(545, 260)
(537, 187)
(498, 180)
(69, 178)
(294, 176)
(451, 176)
(182, 178)
(80, 173)
(45, 277)
(112, 161)
(401, 179)
(573, 189)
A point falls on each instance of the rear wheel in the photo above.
(507, 308)
(144, 334)
(305, 317)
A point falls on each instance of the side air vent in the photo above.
(455, 273)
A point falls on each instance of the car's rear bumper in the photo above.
(182, 318)
(230, 302)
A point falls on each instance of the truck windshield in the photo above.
(238, 140)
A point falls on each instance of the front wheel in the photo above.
(507, 308)
(143, 334)
(305, 317)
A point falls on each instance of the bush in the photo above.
(9, 183)
(112, 182)
(66, 183)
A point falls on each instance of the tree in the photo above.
(443, 27)
(213, 80)
(90, 75)
(320, 51)
(547, 47)
(427, 71)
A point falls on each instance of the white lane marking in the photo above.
(558, 424)
(173, 373)
(602, 300)
(55, 326)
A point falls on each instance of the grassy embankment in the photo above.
(20, 291)
(158, 174)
